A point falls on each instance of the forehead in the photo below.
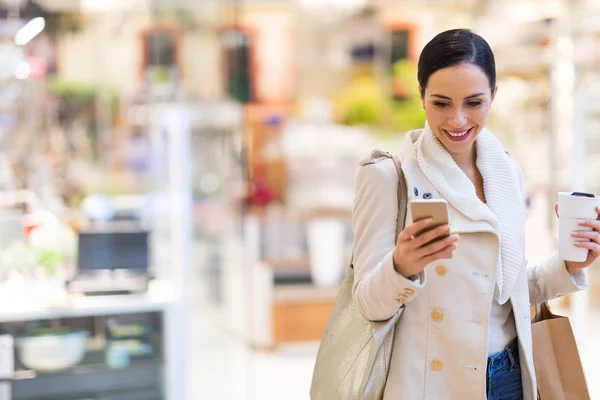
(458, 81)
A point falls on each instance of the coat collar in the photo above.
(504, 210)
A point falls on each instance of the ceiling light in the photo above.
(29, 31)
(23, 70)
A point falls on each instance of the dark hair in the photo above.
(454, 47)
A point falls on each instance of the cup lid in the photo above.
(582, 194)
(579, 195)
(578, 206)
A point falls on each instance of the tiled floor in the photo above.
(223, 368)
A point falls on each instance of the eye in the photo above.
(474, 104)
(440, 104)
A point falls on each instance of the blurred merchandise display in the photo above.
(148, 146)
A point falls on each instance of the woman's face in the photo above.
(457, 101)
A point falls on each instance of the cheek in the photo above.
(479, 116)
(435, 115)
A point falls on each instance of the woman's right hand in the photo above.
(413, 253)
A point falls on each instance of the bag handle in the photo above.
(542, 309)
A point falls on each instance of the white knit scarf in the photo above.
(505, 210)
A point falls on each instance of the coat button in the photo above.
(437, 365)
(441, 270)
(409, 292)
(401, 298)
(437, 315)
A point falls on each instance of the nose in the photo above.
(458, 119)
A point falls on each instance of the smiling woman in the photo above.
(457, 78)
(464, 330)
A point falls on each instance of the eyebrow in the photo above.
(466, 98)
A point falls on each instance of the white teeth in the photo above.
(458, 134)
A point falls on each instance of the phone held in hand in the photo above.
(436, 209)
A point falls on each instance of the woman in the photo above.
(465, 331)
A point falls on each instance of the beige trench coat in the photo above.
(441, 341)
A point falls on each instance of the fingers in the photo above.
(438, 245)
(592, 235)
(593, 246)
(445, 253)
(432, 234)
(592, 223)
(411, 230)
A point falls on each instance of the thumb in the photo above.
(556, 209)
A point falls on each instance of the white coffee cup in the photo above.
(572, 208)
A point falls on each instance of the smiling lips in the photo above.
(458, 136)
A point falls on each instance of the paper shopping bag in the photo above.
(556, 358)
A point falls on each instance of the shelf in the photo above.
(92, 363)
(335, 213)
(141, 378)
(288, 264)
(300, 312)
(85, 306)
(303, 294)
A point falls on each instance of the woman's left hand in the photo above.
(593, 245)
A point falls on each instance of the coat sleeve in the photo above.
(550, 279)
(378, 289)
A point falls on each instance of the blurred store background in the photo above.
(177, 176)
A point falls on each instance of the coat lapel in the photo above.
(504, 210)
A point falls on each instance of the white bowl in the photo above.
(53, 352)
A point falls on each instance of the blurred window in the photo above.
(160, 55)
(237, 52)
(400, 45)
(160, 47)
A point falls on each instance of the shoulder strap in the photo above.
(376, 156)
(402, 197)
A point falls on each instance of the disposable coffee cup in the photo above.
(571, 208)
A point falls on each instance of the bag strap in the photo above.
(402, 197)
(401, 189)
(542, 308)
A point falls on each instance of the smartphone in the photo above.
(436, 209)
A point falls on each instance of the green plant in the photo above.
(365, 101)
(73, 92)
(79, 97)
(60, 23)
(407, 111)
(78, 101)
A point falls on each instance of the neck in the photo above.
(466, 160)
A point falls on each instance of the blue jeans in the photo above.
(504, 374)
